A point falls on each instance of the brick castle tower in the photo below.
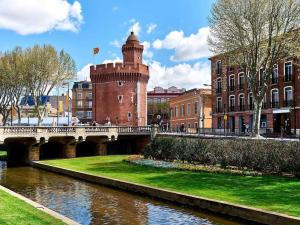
(120, 89)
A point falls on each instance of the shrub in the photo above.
(268, 156)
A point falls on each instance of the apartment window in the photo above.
(219, 104)
(171, 113)
(176, 111)
(241, 80)
(189, 109)
(288, 71)
(89, 114)
(79, 86)
(219, 122)
(288, 96)
(196, 125)
(90, 95)
(275, 98)
(275, 74)
(90, 86)
(189, 125)
(90, 104)
(231, 82)
(219, 67)
(182, 112)
(79, 114)
(250, 101)
(219, 86)
(79, 104)
(79, 95)
(196, 107)
(261, 76)
(120, 98)
(241, 102)
(231, 103)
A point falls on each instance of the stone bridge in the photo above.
(26, 144)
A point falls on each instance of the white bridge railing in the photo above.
(76, 131)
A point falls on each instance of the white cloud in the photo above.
(151, 28)
(147, 53)
(135, 27)
(181, 75)
(84, 73)
(115, 8)
(35, 17)
(186, 47)
(117, 59)
(116, 43)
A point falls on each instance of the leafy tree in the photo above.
(255, 34)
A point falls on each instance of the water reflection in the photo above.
(92, 204)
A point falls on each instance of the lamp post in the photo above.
(68, 84)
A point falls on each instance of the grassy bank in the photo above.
(14, 211)
(272, 193)
(2, 153)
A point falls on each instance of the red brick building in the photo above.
(158, 104)
(120, 89)
(233, 100)
(192, 110)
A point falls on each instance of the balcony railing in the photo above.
(231, 88)
(275, 104)
(241, 107)
(288, 103)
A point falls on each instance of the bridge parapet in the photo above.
(75, 131)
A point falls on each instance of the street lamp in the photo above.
(68, 84)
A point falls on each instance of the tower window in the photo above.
(120, 98)
(120, 83)
(129, 115)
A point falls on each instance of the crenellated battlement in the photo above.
(118, 67)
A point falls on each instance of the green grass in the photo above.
(271, 193)
(14, 211)
(2, 153)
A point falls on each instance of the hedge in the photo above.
(267, 156)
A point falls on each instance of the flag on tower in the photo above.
(96, 51)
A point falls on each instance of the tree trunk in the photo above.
(17, 107)
(4, 117)
(257, 116)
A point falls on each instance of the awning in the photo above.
(277, 111)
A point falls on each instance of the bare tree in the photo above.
(46, 69)
(255, 34)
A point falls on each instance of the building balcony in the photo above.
(288, 103)
(241, 107)
(275, 104)
(231, 88)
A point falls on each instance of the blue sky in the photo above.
(173, 32)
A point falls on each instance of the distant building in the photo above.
(158, 105)
(192, 110)
(120, 89)
(82, 101)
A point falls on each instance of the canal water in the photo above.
(88, 203)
